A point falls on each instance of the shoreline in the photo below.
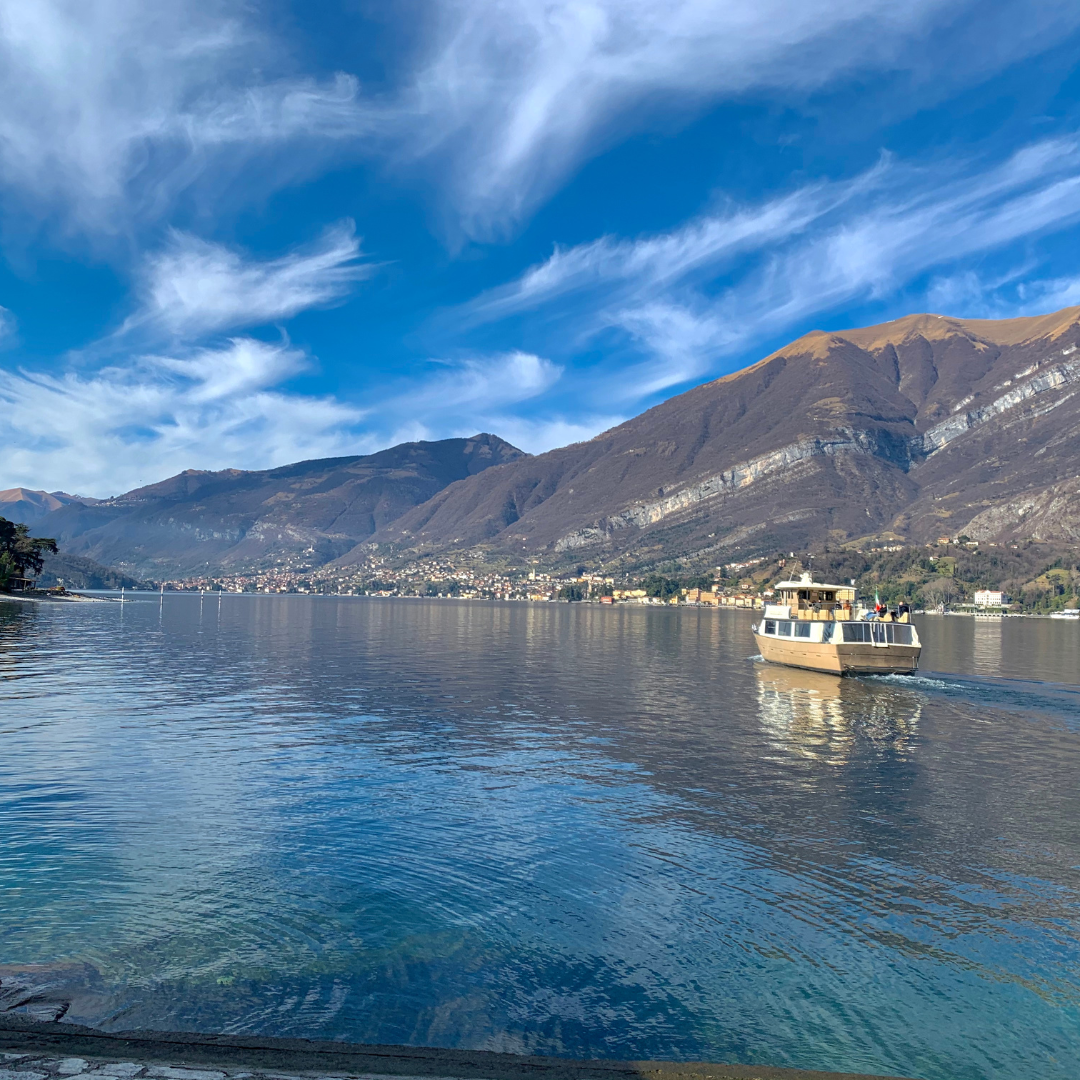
(67, 598)
(56, 1049)
(141, 593)
(81, 598)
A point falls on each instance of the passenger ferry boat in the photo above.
(824, 628)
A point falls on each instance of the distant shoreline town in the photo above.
(948, 476)
(955, 575)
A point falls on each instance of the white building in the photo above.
(990, 598)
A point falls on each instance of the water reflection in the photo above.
(555, 828)
(1047, 649)
(987, 645)
(820, 717)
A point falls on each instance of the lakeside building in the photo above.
(742, 600)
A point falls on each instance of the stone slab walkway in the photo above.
(32, 1050)
(43, 1067)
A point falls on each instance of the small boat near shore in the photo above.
(823, 627)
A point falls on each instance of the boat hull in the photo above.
(840, 658)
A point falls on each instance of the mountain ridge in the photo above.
(912, 428)
(862, 422)
(304, 512)
(27, 505)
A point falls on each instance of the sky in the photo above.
(242, 234)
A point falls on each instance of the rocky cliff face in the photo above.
(920, 427)
(232, 520)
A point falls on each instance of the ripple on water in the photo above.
(542, 828)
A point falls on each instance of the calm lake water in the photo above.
(562, 829)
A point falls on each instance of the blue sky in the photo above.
(243, 234)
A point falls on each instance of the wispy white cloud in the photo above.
(148, 414)
(679, 342)
(8, 326)
(481, 393)
(535, 435)
(667, 259)
(968, 293)
(193, 287)
(122, 426)
(717, 284)
(111, 107)
(225, 407)
(484, 382)
(513, 94)
(1048, 295)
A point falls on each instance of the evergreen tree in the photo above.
(21, 555)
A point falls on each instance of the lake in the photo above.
(562, 829)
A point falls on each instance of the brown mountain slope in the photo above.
(915, 427)
(25, 505)
(198, 522)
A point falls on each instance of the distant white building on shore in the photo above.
(990, 598)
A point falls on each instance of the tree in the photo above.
(572, 592)
(937, 593)
(659, 586)
(21, 553)
(7, 569)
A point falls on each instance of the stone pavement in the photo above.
(47, 1067)
(34, 1050)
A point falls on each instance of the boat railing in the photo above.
(830, 612)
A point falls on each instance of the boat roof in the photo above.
(806, 583)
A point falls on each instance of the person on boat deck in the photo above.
(902, 608)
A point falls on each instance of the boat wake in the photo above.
(1055, 701)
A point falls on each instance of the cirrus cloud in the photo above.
(194, 287)
(115, 108)
(111, 108)
(716, 285)
(127, 425)
(514, 94)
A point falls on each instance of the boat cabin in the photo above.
(849, 631)
(809, 599)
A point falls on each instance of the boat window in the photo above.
(827, 631)
(899, 634)
(830, 597)
(856, 631)
(783, 629)
(770, 626)
(804, 594)
(802, 629)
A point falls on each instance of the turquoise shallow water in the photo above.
(562, 829)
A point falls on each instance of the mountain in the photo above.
(916, 428)
(75, 572)
(26, 506)
(307, 513)
(924, 426)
